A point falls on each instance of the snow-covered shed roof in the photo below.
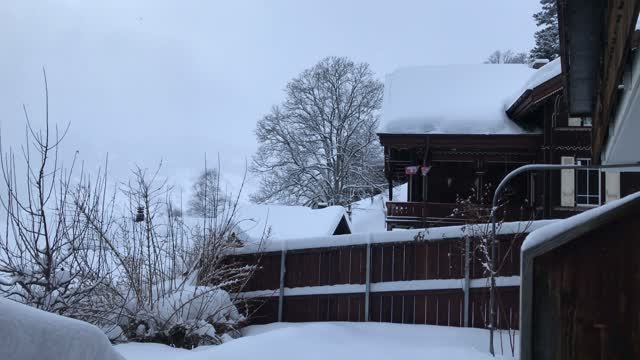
(451, 99)
(288, 222)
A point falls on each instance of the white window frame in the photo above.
(586, 161)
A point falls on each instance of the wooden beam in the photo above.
(621, 17)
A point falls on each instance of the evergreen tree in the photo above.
(547, 37)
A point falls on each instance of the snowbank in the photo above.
(152, 351)
(451, 99)
(542, 75)
(368, 215)
(337, 341)
(28, 333)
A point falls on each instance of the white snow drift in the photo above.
(336, 341)
(27, 333)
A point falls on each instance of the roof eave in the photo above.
(532, 98)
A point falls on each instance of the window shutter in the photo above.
(612, 186)
(567, 183)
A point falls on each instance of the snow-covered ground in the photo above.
(369, 214)
(334, 341)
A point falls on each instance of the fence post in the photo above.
(467, 264)
(367, 287)
(281, 295)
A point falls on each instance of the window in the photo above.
(579, 121)
(587, 185)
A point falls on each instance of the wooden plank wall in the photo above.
(586, 296)
(403, 261)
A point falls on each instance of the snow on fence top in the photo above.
(549, 233)
(431, 234)
(542, 75)
(451, 99)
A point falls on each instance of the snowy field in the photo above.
(334, 341)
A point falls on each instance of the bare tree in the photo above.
(175, 284)
(477, 238)
(207, 198)
(319, 145)
(507, 57)
(45, 259)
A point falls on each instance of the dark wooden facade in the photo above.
(581, 293)
(462, 167)
(596, 38)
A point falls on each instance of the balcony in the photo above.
(428, 214)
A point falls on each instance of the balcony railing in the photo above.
(429, 214)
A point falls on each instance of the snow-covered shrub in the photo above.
(478, 237)
(170, 281)
(188, 317)
(122, 258)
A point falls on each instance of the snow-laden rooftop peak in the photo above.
(540, 76)
(451, 99)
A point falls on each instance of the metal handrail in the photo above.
(494, 207)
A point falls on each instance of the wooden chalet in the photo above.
(529, 123)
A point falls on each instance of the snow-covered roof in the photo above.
(540, 76)
(29, 333)
(287, 222)
(451, 99)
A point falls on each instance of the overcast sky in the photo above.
(156, 79)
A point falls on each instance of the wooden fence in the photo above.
(413, 281)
